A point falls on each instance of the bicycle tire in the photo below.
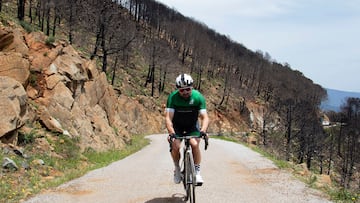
(187, 176)
(190, 177)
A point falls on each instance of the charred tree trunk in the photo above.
(99, 36)
(48, 20)
(114, 72)
(162, 80)
(30, 11)
(151, 73)
(288, 132)
(339, 139)
(42, 21)
(148, 77)
(163, 84)
(153, 80)
(21, 9)
(56, 19)
(105, 55)
(331, 152)
(263, 134)
(38, 12)
(71, 22)
(225, 87)
(321, 160)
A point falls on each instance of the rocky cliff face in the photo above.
(52, 85)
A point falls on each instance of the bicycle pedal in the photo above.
(199, 184)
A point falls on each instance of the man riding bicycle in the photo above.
(183, 108)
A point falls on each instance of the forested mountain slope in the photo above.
(140, 46)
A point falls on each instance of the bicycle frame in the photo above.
(188, 170)
(188, 166)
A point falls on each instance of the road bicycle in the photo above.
(187, 165)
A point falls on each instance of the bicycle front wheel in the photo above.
(190, 177)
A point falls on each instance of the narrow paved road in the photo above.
(232, 173)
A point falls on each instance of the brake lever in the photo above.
(206, 138)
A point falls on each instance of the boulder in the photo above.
(13, 106)
(40, 55)
(6, 38)
(323, 181)
(18, 44)
(13, 64)
(50, 122)
(9, 164)
(302, 169)
(69, 64)
(60, 95)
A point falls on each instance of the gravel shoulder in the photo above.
(232, 173)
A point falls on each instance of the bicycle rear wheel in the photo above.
(190, 177)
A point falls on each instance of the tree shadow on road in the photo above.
(175, 198)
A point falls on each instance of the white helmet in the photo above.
(184, 80)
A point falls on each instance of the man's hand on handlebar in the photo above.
(205, 136)
(170, 139)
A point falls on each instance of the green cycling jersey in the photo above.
(186, 111)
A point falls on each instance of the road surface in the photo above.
(231, 172)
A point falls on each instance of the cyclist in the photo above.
(183, 108)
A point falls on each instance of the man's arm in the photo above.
(204, 121)
(168, 121)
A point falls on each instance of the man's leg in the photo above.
(195, 145)
(175, 154)
(175, 151)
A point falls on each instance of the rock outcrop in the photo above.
(13, 105)
(65, 93)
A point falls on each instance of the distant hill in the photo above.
(336, 98)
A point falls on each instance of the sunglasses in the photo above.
(185, 89)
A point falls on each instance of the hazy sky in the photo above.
(320, 38)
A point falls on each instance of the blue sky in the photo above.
(320, 38)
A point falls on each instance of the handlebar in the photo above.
(203, 135)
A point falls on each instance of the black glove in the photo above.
(205, 137)
(171, 137)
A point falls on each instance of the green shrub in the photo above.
(50, 40)
(27, 138)
(33, 78)
(343, 195)
(26, 26)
